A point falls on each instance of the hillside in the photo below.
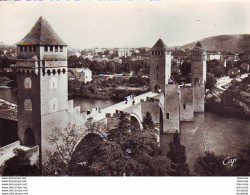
(227, 43)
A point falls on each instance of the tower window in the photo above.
(157, 66)
(21, 48)
(51, 48)
(27, 83)
(167, 115)
(162, 53)
(157, 75)
(61, 48)
(184, 106)
(30, 48)
(27, 105)
(46, 48)
(152, 52)
(34, 48)
(56, 48)
(25, 48)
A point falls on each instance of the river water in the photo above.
(208, 131)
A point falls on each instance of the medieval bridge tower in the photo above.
(198, 76)
(42, 84)
(160, 82)
(177, 103)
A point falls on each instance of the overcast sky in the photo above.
(125, 24)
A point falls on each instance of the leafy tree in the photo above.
(177, 155)
(147, 121)
(214, 67)
(210, 165)
(210, 83)
(242, 167)
(20, 165)
(128, 151)
(60, 156)
(185, 68)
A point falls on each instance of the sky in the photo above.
(109, 24)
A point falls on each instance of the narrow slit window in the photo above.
(21, 48)
(184, 106)
(46, 48)
(61, 48)
(167, 115)
(34, 48)
(25, 48)
(30, 48)
(51, 48)
(56, 48)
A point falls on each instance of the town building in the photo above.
(82, 74)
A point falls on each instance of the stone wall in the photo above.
(187, 103)
(29, 118)
(171, 113)
(199, 98)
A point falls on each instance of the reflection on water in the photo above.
(208, 132)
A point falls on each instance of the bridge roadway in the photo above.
(121, 106)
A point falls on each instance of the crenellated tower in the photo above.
(42, 84)
(198, 76)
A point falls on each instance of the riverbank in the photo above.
(113, 94)
(233, 102)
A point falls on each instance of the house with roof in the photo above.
(82, 74)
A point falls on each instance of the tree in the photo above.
(242, 167)
(147, 121)
(60, 156)
(185, 68)
(128, 151)
(20, 165)
(210, 83)
(177, 155)
(210, 165)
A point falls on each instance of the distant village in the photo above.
(127, 62)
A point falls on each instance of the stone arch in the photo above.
(136, 119)
(157, 89)
(29, 137)
(83, 153)
(196, 81)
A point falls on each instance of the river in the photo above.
(208, 131)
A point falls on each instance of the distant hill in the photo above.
(227, 43)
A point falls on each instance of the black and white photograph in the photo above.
(107, 88)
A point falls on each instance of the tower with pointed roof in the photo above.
(42, 84)
(160, 73)
(198, 76)
(160, 67)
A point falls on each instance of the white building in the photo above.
(81, 74)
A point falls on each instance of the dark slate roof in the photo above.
(198, 45)
(41, 34)
(160, 45)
